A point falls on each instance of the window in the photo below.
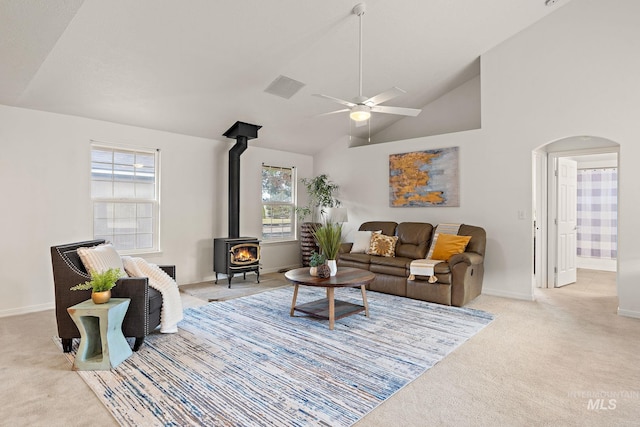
(278, 205)
(124, 193)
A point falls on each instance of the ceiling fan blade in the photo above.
(333, 112)
(338, 100)
(384, 96)
(396, 110)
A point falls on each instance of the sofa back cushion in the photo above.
(478, 240)
(69, 254)
(413, 239)
(387, 227)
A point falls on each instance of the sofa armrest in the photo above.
(130, 287)
(170, 270)
(136, 321)
(470, 258)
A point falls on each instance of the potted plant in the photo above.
(315, 261)
(100, 285)
(329, 238)
(321, 194)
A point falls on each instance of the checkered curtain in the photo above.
(598, 213)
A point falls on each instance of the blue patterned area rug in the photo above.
(245, 362)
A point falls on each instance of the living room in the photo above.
(572, 74)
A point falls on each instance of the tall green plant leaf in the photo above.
(329, 238)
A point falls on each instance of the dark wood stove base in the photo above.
(231, 275)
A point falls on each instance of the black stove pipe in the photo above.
(242, 132)
(234, 185)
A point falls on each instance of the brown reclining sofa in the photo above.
(459, 279)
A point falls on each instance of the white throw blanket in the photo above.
(425, 267)
(171, 311)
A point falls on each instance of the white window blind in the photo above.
(124, 192)
(278, 203)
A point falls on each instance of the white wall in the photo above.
(455, 111)
(44, 182)
(576, 72)
(274, 256)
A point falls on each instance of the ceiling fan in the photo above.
(361, 107)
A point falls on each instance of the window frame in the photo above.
(293, 204)
(155, 201)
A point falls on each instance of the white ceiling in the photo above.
(195, 67)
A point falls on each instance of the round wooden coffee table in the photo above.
(330, 308)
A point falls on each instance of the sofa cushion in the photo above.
(398, 270)
(382, 245)
(400, 262)
(413, 239)
(388, 228)
(448, 245)
(442, 271)
(155, 300)
(442, 268)
(355, 257)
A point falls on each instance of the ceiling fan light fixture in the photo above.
(361, 107)
(360, 113)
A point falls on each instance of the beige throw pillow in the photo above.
(362, 241)
(101, 258)
(383, 245)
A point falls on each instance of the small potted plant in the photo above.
(329, 238)
(100, 285)
(315, 261)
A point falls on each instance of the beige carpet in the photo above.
(240, 287)
(535, 365)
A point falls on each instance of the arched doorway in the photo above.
(550, 268)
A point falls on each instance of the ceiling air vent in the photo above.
(284, 87)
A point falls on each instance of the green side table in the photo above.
(102, 344)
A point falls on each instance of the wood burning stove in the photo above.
(233, 255)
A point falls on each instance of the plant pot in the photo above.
(308, 243)
(101, 297)
(313, 271)
(333, 266)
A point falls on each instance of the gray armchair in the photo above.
(143, 315)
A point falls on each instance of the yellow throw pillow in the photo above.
(448, 245)
(382, 245)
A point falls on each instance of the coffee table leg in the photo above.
(332, 307)
(293, 302)
(364, 300)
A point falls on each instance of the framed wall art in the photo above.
(424, 178)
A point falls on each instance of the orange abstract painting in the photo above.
(424, 178)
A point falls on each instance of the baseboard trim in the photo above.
(27, 309)
(279, 269)
(507, 294)
(629, 313)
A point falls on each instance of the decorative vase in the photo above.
(101, 297)
(333, 266)
(313, 271)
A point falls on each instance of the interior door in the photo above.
(567, 193)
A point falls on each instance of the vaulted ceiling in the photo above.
(195, 67)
